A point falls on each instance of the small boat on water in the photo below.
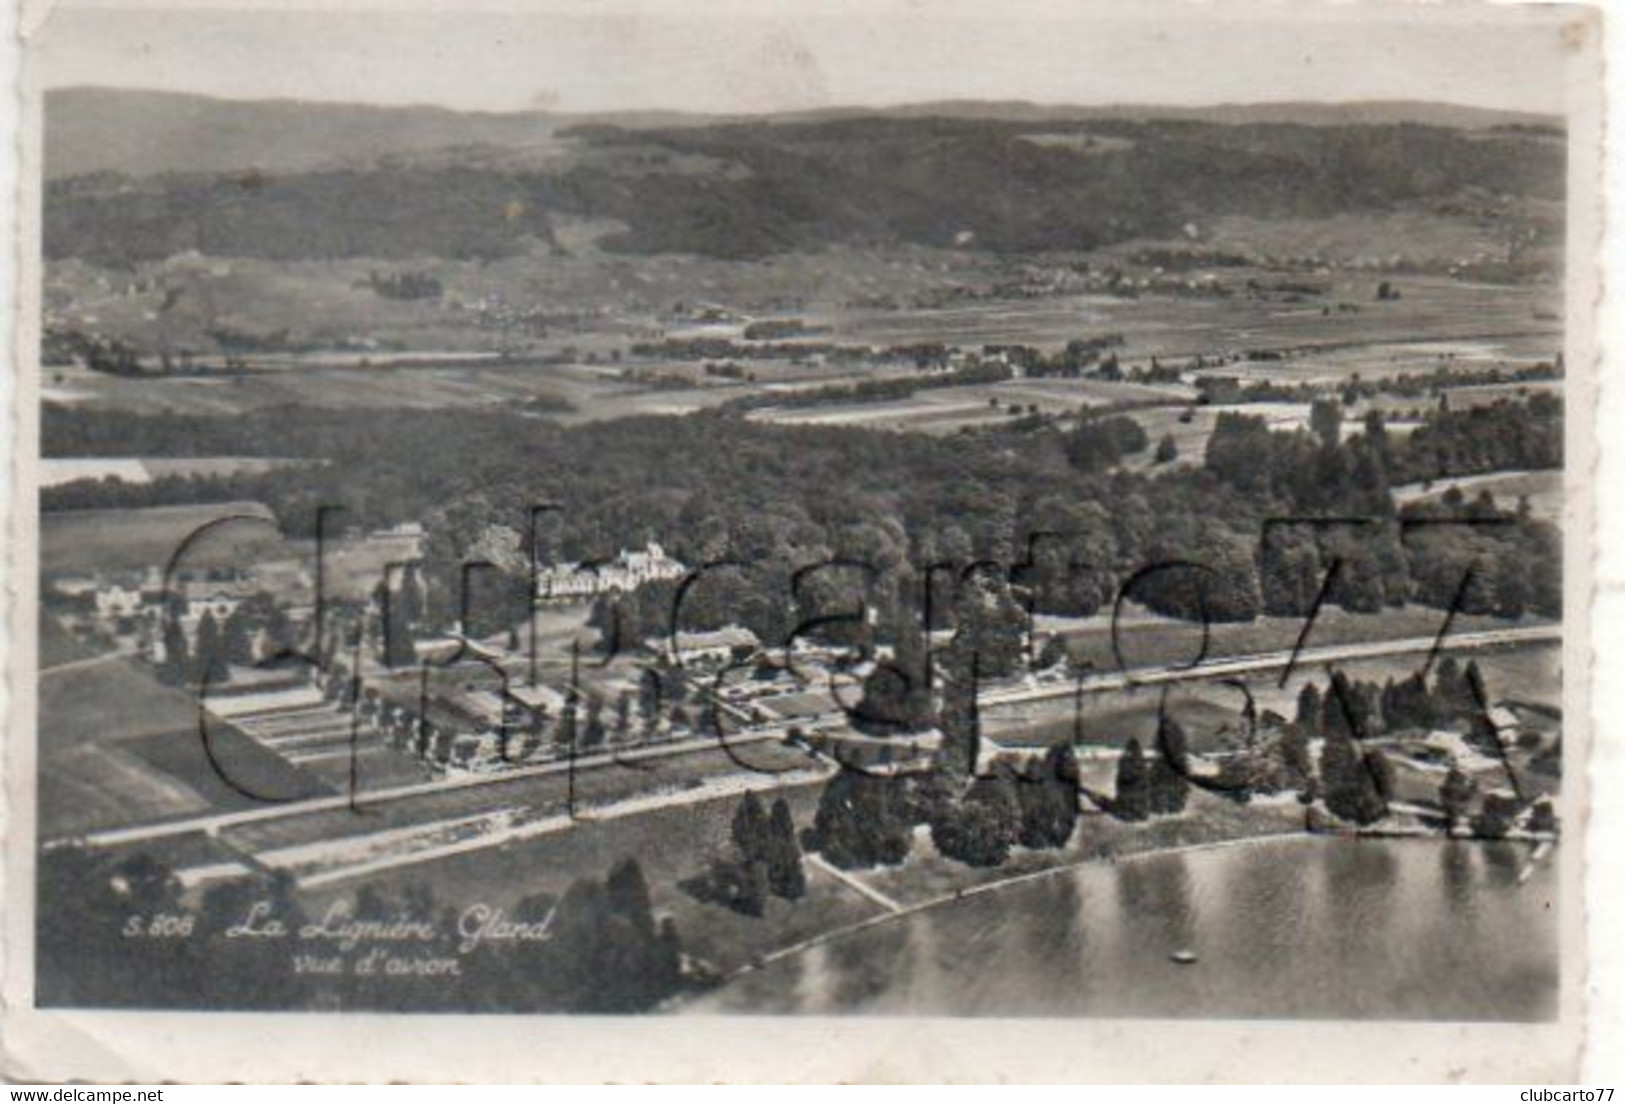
(1183, 957)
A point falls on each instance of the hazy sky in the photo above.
(748, 56)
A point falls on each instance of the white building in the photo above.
(627, 571)
(217, 598)
(121, 600)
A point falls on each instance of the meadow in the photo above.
(1148, 640)
(950, 409)
(1432, 309)
(1542, 489)
(85, 541)
(1210, 710)
(670, 845)
(117, 748)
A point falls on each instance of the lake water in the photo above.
(1342, 928)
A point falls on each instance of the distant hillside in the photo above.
(1370, 112)
(141, 133)
(91, 130)
(400, 182)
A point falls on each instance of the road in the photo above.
(1265, 661)
(214, 822)
(1270, 661)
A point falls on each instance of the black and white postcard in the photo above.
(801, 541)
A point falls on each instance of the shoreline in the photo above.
(906, 910)
(1301, 835)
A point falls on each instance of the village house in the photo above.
(118, 599)
(217, 598)
(139, 603)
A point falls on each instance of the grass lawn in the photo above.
(1148, 640)
(670, 844)
(118, 747)
(1110, 718)
(91, 787)
(260, 771)
(113, 700)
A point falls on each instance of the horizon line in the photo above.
(846, 107)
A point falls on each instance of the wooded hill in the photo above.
(473, 186)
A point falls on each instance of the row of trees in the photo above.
(206, 659)
(1317, 468)
(585, 722)
(255, 628)
(874, 390)
(1359, 709)
(1154, 786)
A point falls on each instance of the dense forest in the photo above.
(775, 187)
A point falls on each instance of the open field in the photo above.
(1148, 640)
(77, 542)
(564, 392)
(537, 299)
(54, 471)
(444, 353)
(1398, 352)
(1209, 715)
(57, 645)
(572, 393)
(117, 747)
(948, 409)
(1543, 489)
(1402, 236)
(1489, 394)
(92, 787)
(670, 845)
(238, 764)
(1432, 309)
(84, 541)
(430, 386)
(1191, 426)
(537, 795)
(113, 699)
